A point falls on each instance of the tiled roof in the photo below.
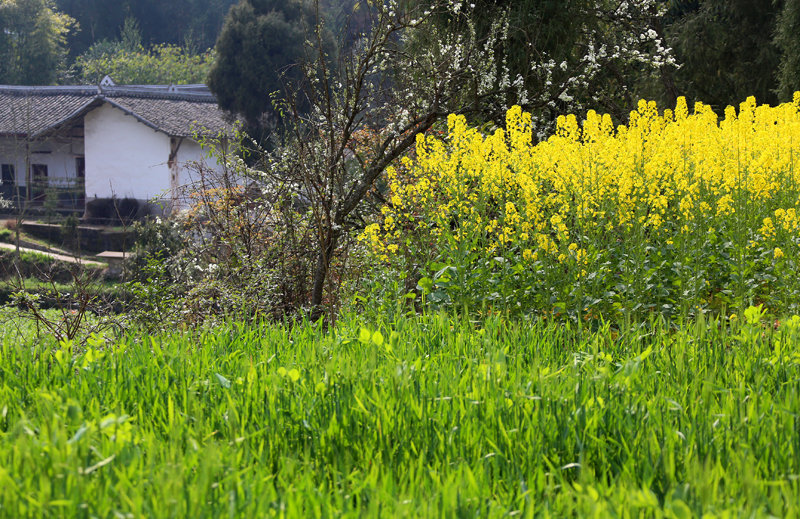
(175, 110)
(177, 117)
(34, 111)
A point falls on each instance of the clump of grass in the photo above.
(107, 289)
(31, 264)
(415, 417)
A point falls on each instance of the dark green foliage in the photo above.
(259, 44)
(561, 57)
(680, 8)
(32, 39)
(538, 30)
(727, 52)
(155, 240)
(195, 23)
(97, 19)
(787, 39)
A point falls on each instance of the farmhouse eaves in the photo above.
(177, 110)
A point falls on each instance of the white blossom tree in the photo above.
(348, 119)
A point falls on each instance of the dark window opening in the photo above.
(39, 172)
(9, 175)
(39, 177)
(80, 173)
(80, 167)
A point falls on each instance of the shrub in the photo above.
(237, 251)
(35, 265)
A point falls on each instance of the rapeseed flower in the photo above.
(654, 185)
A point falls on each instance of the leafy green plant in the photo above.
(30, 264)
(65, 312)
(64, 300)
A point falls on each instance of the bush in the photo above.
(65, 301)
(35, 265)
(236, 252)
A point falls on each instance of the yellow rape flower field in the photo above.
(676, 213)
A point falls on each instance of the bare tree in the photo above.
(352, 116)
(349, 119)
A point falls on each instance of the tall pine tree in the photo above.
(256, 50)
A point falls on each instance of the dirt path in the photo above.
(60, 257)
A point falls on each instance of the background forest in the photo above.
(724, 50)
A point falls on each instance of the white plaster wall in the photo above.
(124, 158)
(189, 154)
(57, 153)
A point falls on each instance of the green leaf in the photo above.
(364, 336)
(425, 284)
(78, 435)
(753, 314)
(224, 382)
(678, 509)
(442, 275)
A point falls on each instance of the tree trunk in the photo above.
(321, 273)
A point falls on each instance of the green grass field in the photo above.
(424, 417)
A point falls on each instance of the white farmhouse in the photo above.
(132, 141)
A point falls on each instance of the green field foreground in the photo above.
(420, 417)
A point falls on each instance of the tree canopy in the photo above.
(161, 64)
(555, 56)
(552, 56)
(787, 39)
(191, 23)
(257, 48)
(726, 51)
(32, 41)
